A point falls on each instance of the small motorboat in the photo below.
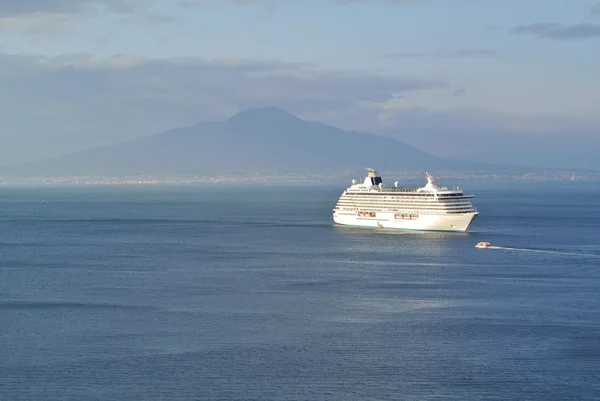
(483, 244)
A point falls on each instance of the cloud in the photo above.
(40, 16)
(204, 3)
(35, 23)
(213, 3)
(557, 31)
(392, 2)
(459, 92)
(448, 53)
(52, 105)
(36, 7)
(595, 9)
(268, 80)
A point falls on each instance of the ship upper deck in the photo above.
(373, 184)
(374, 189)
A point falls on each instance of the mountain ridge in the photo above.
(266, 139)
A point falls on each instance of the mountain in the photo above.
(252, 141)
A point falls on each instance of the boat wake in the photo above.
(509, 248)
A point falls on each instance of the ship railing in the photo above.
(421, 211)
(412, 189)
(400, 189)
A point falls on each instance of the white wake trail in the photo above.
(509, 248)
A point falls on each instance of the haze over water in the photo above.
(250, 292)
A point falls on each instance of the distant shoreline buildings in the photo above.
(548, 175)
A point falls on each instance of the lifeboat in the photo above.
(483, 244)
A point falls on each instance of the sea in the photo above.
(249, 291)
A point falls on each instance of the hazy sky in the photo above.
(487, 79)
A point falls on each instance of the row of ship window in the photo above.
(396, 199)
(397, 216)
(407, 194)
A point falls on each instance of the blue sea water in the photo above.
(240, 292)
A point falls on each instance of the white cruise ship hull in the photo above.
(424, 222)
(428, 208)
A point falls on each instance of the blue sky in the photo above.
(442, 75)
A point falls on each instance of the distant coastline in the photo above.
(549, 175)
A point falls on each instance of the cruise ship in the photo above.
(429, 208)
